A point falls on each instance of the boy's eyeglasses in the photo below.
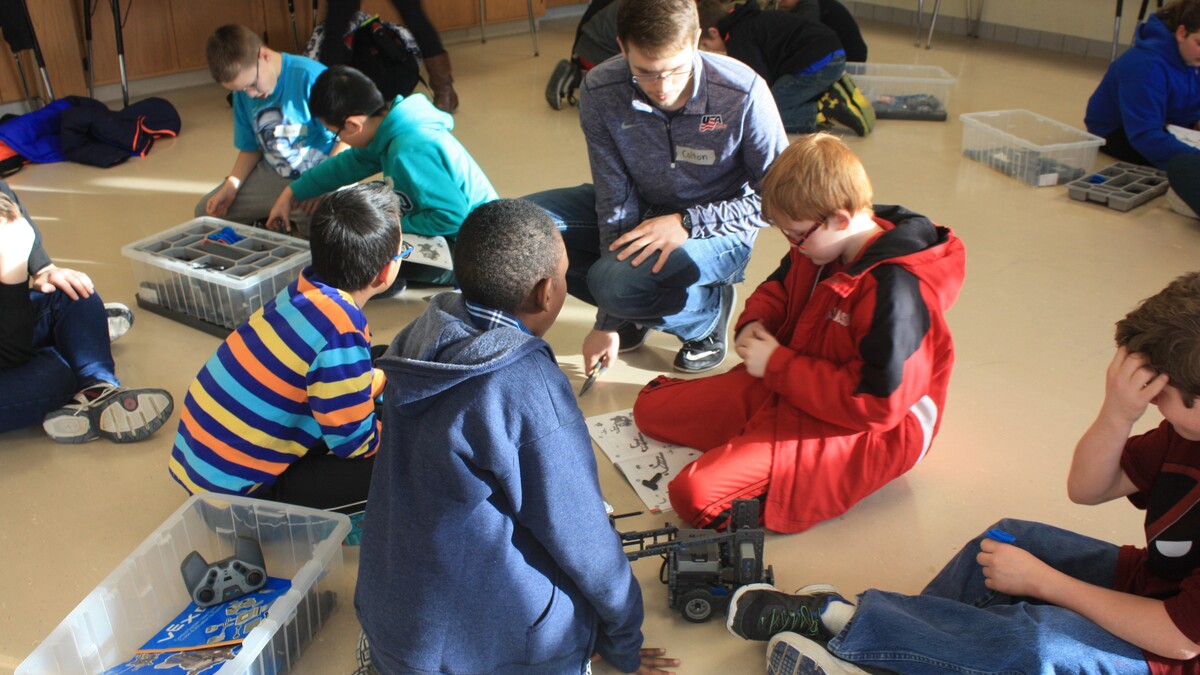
(798, 239)
(404, 252)
(660, 77)
(253, 86)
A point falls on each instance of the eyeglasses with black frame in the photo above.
(254, 85)
(661, 77)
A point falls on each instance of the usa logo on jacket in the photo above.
(712, 123)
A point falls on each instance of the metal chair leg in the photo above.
(1116, 30)
(533, 31)
(920, 18)
(91, 59)
(482, 19)
(933, 22)
(116, 10)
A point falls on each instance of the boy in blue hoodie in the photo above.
(488, 549)
(436, 179)
(1152, 85)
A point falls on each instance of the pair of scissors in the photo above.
(599, 370)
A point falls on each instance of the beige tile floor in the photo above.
(1047, 277)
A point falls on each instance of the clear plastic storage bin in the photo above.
(214, 284)
(146, 590)
(903, 92)
(1035, 149)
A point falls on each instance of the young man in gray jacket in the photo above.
(679, 142)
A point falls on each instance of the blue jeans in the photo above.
(797, 95)
(683, 298)
(70, 340)
(958, 625)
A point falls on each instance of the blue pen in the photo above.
(999, 535)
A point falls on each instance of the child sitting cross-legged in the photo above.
(285, 409)
(846, 355)
(487, 548)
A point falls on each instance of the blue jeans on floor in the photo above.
(958, 625)
(797, 95)
(70, 338)
(683, 299)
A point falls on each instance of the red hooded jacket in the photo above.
(864, 348)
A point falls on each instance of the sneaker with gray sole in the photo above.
(792, 654)
(109, 412)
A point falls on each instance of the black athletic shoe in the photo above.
(761, 611)
(697, 356)
(632, 336)
(559, 84)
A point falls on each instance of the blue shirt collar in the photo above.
(486, 318)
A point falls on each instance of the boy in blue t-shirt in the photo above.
(275, 134)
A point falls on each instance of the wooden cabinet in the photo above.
(451, 15)
(167, 36)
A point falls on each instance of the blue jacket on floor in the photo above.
(486, 546)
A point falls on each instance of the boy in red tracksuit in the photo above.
(845, 348)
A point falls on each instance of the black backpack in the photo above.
(382, 56)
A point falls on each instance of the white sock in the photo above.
(836, 615)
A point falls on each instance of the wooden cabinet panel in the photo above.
(10, 81)
(194, 21)
(147, 34)
(513, 10)
(454, 14)
(167, 36)
(279, 24)
(54, 21)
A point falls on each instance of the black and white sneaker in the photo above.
(697, 356)
(563, 82)
(109, 412)
(632, 336)
(761, 611)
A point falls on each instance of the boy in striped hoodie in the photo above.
(289, 396)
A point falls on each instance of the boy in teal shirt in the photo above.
(436, 179)
(275, 133)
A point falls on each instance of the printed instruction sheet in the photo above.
(647, 464)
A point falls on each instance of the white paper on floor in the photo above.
(647, 464)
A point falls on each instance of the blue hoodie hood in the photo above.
(443, 348)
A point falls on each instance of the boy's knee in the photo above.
(1015, 526)
(682, 493)
(650, 404)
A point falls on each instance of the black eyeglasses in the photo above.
(254, 85)
(655, 78)
(404, 252)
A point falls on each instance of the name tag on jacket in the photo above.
(695, 155)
